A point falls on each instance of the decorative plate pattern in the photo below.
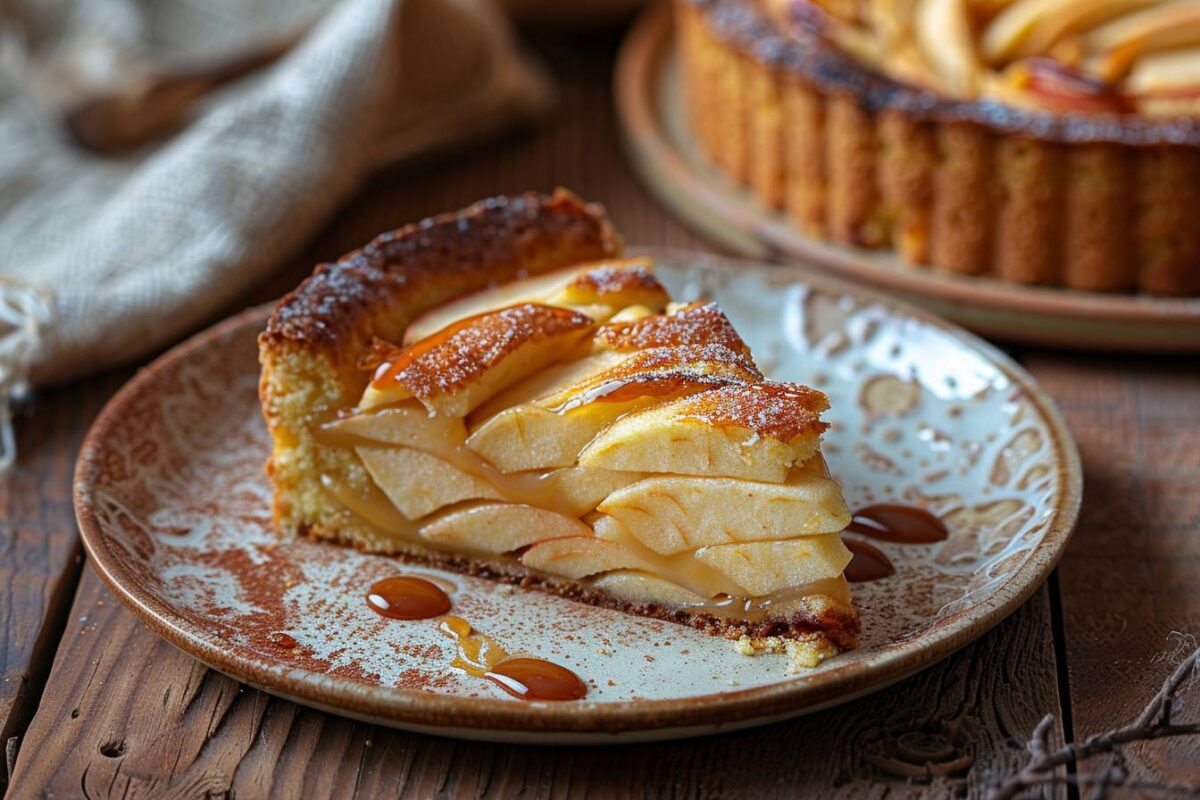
(175, 515)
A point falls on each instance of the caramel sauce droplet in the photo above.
(892, 522)
(868, 564)
(535, 679)
(407, 597)
(521, 676)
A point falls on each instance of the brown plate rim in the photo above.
(737, 222)
(461, 715)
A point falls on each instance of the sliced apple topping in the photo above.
(646, 456)
(460, 367)
(693, 324)
(1173, 73)
(497, 528)
(550, 430)
(408, 424)
(766, 567)
(943, 34)
(1073, 56)
(585, 557)
(755, 431)
(582, 556)
(570, 490)
(638, 586)
(419, 483)
(614, 286)
(1031, 27)
(671, 514)
(601, 288)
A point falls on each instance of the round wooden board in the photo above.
(653, 125)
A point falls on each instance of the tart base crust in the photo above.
(852, 157)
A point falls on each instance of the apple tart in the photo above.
(498, 392)
(1049, 142)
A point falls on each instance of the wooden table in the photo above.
(93, 704)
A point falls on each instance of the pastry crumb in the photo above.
(505, 588)
(802, 655)
(601, 651)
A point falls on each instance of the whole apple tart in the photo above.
(1048, 142)
(499, 393)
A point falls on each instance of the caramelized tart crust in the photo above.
(1082, 201)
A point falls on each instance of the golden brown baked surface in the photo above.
(1084, 201)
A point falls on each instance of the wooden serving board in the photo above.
(650, 115)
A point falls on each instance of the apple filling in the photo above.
(1088, 56)
(580, 427)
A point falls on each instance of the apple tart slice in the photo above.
(499, 393)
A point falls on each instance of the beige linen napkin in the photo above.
(103, 260)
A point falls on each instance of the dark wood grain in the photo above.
(126, 715)
(1131, 577)
(39, 549)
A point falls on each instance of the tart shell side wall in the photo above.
(947, 192)
(310, 350)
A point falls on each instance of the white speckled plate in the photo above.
(173, 507)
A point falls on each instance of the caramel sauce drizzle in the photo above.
(888, 522)
(868, 564)
(902, 524)
(407, 597)
(410, 597)
(522, 677)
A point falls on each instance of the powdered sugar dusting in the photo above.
(457, 356)
(694, 324)
(780, 411)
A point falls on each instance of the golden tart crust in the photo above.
(1099, 203)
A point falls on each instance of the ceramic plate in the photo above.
(650, 111)
(173, 506)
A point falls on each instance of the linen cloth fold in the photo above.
(103, 260)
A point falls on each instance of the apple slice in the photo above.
(673, 514)
(551, 430)
(767, 567)
(637, 586)
(418, 483)
(693, 324)
(496, 528)
(1031, 27)
(463, 365)
(408, 424)
(756, 432)
(1175, 72)
(942, 30)
(580, 556)
(615, 285)
(607, 285)
(574, 491)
